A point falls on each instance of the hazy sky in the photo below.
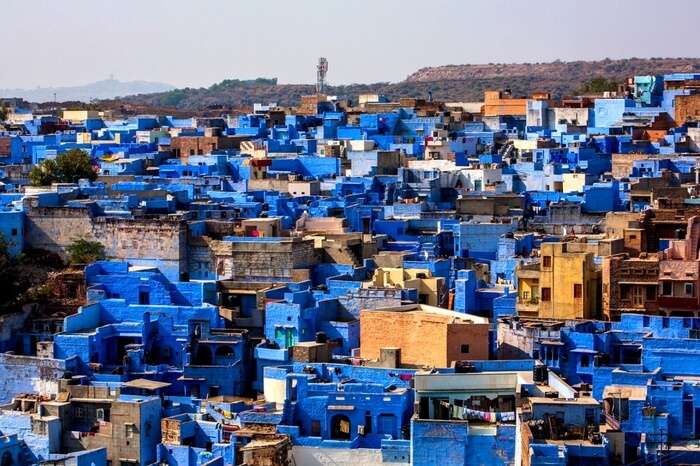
(199, 42)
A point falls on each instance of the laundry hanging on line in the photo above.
(460, 412)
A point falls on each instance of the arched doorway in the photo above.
(223, 355)
(340, 427)
(203, 357)
(386, 424)
(7, 459)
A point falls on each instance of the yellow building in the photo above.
(430, 289)
(83, 138)
(525, 144)
(574, 182)
(563, 285)
(79, 116)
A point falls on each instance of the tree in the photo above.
(3, 113)
(597, 85)
(82, 251)
(43, 174)
(65, 168)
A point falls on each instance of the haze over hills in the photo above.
(449, 83)
(99, 90)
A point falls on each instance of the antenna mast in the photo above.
(321, 70)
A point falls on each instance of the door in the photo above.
(638, 293)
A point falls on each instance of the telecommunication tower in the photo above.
(321, 70)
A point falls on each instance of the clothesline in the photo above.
(460, 412)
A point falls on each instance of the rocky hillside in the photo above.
(577, 71)
(448, 83)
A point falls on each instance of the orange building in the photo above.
(424, 335)
(501, 103)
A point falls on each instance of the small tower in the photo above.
(321, 70)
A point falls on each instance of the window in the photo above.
(651, 293)
(664, 322)
(585, 360)
(144, 297)
(14, 232)
(102, 414)
(666, 288)
(79, 412)
(689, 289)
(546, 294)
(130, 430)
(368, 422)
(633, 236)
(315, 428)
(547, 261)
(578, 291)
(465, 349)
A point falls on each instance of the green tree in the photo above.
(82, 251)
(3, 113)
(44, 173)
(597, 85)
(65, 168)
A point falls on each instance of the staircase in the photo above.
(341, 255)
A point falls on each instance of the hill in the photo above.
(578, 71)
(448, 83)
(105, 89)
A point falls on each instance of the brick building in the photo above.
(424, 335)
(184, 146)
(142, 240)
(679, 274)
(264, 259)
(687, 108)
(629, 285)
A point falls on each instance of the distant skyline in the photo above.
(194, 44)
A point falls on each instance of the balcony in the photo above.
(677, 302)
(531, 271)
(528, 307)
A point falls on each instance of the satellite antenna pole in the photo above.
(321, 70)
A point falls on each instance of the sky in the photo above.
(199, 42)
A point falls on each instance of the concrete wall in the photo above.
(160, 243)
(26, 374)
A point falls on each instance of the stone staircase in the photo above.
(341, 254)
